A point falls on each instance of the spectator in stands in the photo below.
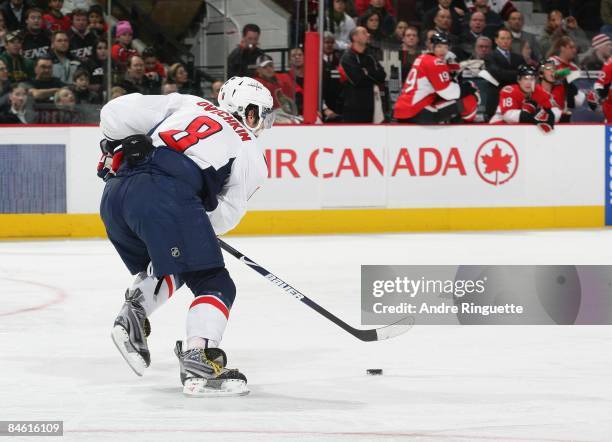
(476, 28)
(122, 49)
(409, 50)
(242, 60)
(515, 24)
(36, 40)
(64, 65)
(564, 53)
(13, 12)
(44, 85)
(16, 110)
(117, 91)
(443, 23)
(552, 30)
(492, 18)
(371, 21)
(340, 24)
(503, 66)
(154, 70)
(19, 67)
(3, 32)
(64, 99)
(179, 75)
(135, 79)
(95, 19)
(54, 19)
(501, 7)
(169, 87)
(296, 76)
(82, 41)
(80, 88)
(279, 86)
(332, 104)
(360, 6)
(97, 66)
(596, 57)
(5, 84)
(394, 42)
(215, 87)
(387, 19)
(457, 16)
(482, 48)
(361, 75)
(557, 27)
(64, 112)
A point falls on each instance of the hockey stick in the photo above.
(374, 334)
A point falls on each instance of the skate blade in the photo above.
(197, 388)
(122, 340)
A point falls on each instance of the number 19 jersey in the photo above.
(428, 79)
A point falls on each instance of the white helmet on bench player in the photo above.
(239, 95)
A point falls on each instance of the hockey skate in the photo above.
(203, 373)
(130, 332)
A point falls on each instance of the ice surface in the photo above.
(307, 376)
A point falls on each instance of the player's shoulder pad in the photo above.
(508, 89)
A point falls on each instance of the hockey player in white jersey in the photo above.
(179, 172)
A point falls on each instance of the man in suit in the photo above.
(14, 14)
(503, 65)
(520, 38)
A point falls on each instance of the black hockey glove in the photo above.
(468, 88)
(603, 92)
(570, 94)
(545, 120)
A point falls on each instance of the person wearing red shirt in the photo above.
(602, 88)
(54, 20)
(565, 93)
(430, 95)
(527, 102)
(122, 50)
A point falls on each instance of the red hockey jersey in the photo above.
(428, 79)
(512, 98)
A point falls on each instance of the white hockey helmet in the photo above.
(239, 94)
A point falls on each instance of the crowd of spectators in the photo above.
(53, 61)
(369, 46)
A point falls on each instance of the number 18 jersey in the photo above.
(428, 80)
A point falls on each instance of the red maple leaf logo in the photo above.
(496, 162)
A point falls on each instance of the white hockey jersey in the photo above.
(232, 163)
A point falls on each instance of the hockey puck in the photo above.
(374, 371)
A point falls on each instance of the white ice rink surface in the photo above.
(307, 376)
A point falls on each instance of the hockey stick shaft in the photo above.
(364, 335)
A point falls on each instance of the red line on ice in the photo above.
(60, 296)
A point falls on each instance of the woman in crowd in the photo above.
(371, 21)
(96, 65)
(178, 74)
